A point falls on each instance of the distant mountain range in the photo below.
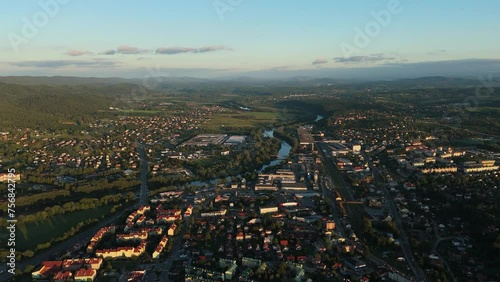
(422, 82)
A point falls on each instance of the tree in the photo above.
(28, 253)
(29, 268)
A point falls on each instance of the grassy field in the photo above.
(139, 112)
(240, 120)
(33, 233)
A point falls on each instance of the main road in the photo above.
(174, 251)
(143, 198)
(405, 245)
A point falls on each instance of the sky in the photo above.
(260, 38)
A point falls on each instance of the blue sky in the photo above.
(213, 38)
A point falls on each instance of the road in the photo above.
(347, 194)
(143, 198)
(87, 234)
(405, 245)
(345, 190)
(328, 190)
(174, 252)
(435, 250)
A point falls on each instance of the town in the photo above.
(354, 195)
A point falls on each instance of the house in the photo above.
(250, 262)
(134, 236)
(122, 251)
(171, 230)
(409, 186)
(94, 263)
(62, 276)
(355, 264)
(98, 236)
(84, 275)
(229, 274)
(240, 236)
(72, 264)
(47, 269)
(160, 247)
(270, 209)
(4, 177)
(188, 211)
(136, 276)
(152, 230)
(141, 220)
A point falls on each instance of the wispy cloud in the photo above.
(277, 68)
(95, 63)
(125, 49)
(130, 50)
(212, 49)
(319, 61)
(438, 52)
(181, 50)
(109, 52)
(174, 50)
(373, 58)
(75, 53)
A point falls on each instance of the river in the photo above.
(285, 148)
(283, 153)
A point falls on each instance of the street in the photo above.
(405, 245)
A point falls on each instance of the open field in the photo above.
(135, 112)
(240, 120)
(31, 234)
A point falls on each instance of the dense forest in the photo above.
(43, 106)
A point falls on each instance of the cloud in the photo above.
(109, 52)
(438, 52)
(277, 68)
(129, 50)
(174, 50)
(212, 49)
(96, 63)
(75, 53)
(125, 49)
(180, 50)
(373, 58)
(319, 61)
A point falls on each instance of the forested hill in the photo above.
(42, 106)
